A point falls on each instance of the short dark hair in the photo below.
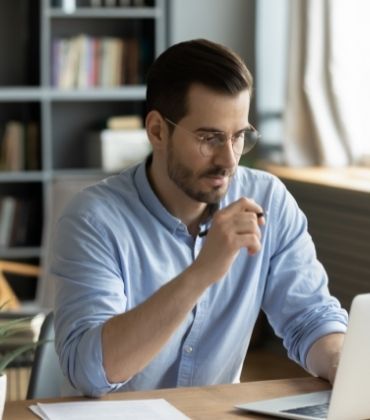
(190, 62)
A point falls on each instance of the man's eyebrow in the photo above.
(209, 130)
(217, 130)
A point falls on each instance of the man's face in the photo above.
(206, 179)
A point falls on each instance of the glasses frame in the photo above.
(251, 137)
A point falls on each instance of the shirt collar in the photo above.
(154, 205)
(151, 201)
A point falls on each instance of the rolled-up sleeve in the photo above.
(297, 301)
(89, 291)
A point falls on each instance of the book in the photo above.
(110, 3)
(103, 62)
(112, 62)
(71, 62)
(96, 3)
(118, 62)
(21, 220)
(83, 66)
(32, 146)
(132, 61)
(95, 65)
(84, 61)
(12, 148)
(123, 122)
(56, 54)
(7, 214)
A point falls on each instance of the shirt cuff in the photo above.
(91, 377)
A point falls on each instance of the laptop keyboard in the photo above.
(320, 410)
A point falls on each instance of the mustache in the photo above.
(217, 171)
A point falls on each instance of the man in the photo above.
(161, 271)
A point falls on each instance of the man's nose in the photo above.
(225, 155)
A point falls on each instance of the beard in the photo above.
(186, 179)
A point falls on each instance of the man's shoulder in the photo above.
(248, 176)
(261, 186)
(104, 195)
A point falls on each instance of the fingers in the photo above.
(245, 204)
(234, 227)
(251, 240)
(246, 223)
(239, 224)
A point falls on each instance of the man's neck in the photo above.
(180, 205)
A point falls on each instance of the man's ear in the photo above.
(157, 129)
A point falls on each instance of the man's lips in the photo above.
(216, 180)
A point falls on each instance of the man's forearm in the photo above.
(132, 339)
(323, 356)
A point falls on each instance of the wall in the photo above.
(229, 22)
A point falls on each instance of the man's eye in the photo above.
(210, 138)
(241, 136)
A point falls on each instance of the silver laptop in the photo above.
(350, 396)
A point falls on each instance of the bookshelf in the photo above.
(64, 116)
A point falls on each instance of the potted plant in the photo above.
(8, 329)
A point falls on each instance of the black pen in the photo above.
(204, 232)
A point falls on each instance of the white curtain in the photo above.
(327, 115)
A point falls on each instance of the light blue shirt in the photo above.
(115, 245)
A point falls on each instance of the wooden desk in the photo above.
(351, 178)
(213, 402)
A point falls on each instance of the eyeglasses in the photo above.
(209, 141)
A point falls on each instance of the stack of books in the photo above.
(85, 62)
(123, 143)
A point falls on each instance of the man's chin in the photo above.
(212, 197)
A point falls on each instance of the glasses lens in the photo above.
(242, 144)
(211, 142)
(251, 138)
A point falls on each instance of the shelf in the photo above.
(20, 252)
(21, 94)
(125, 93)
(79, 174)
(24, 94)
(106, 13)
(23, 176)
(62, 120)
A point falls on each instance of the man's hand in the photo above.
(234, 227)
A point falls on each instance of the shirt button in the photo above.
(188, 349)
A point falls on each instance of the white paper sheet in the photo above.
(155, 409)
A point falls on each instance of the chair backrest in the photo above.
(60, 193)
(46, 376)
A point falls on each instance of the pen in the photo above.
(204, 232)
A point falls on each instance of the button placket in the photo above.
(188, 357)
